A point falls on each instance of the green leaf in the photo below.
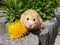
(21, 10)
(44, 15)
(12, 19)
(49, 17)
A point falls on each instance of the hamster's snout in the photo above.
(30, 25)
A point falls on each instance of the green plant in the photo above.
(45, 8)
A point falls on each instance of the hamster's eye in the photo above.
(33, 19)
(27, 18)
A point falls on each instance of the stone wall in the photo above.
(2, 22)
(46, 37)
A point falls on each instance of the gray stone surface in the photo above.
(2, 25)
(57, 14)
(1, 11)
(59, 31)
(46, 35)
(49, 33)
(7, 24)
(57, 40)
(2, 14)
(3, 19)
(30, 39)
(2, 28)
(43, 37)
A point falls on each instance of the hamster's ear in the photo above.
(40, 21)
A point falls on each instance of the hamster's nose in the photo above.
(30, 25)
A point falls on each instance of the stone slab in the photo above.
(30, 39)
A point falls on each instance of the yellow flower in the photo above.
(17, 29)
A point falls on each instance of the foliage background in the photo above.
(14, 8)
